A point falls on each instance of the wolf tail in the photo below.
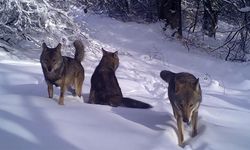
(131, 103)
(80, 52)
(167, 75)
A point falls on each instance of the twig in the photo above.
(228, 41)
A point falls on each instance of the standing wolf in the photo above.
(185, 96)
(105, 88)
(61, 70)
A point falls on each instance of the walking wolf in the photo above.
(185, 96)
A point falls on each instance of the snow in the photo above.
(245, 9)
(30, 120)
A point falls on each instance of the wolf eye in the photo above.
(191, 105)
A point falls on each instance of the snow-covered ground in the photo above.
(30, 120)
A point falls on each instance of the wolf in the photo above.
(185, 96)
(61, 70)
(105, 88)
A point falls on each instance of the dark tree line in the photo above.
(151, 10)
(189, 16)
(22, 20)
(170, 11)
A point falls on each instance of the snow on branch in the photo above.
(245, 9)
(35, 21)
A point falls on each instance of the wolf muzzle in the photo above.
(49, 68)
(186, 120)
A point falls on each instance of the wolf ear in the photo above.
(44, 46)
(59, 46)
(115, 54)
(197, 85)
(104, 52)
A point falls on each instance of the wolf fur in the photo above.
(105, 88)
(61, 70)
(185, 96)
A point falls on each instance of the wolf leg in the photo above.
(78, 85)
(174, 112)
(91, 96)
(194, 123)
(180, 130)
(62, 90)
(72, 90)
(50, 90)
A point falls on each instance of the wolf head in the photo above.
(51, 58)
(110, 60)
(188, 99)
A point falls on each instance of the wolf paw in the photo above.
(187, 147)
(61, 103)
(194, 133)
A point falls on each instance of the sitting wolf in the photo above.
(185, 96)
(105, 88)
(61, 70)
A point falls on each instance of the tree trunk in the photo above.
(210, 17)
(170, 11)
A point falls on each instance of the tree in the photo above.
(237, 42)
(170, 11)
(34, 21)
(210, 17)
